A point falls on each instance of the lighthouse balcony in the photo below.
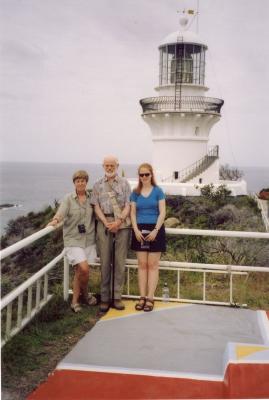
(199, 104)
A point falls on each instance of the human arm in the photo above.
(60, 214)
(114, 226)
(100, 215)
(138, 233)
(121, 216)
(162, 211)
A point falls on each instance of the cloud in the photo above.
(73, 72)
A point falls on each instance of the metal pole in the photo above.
(113, 269)
(66, 279)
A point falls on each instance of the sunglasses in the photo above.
(147, 174)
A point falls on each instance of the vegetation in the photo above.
(32, 354)
(228, 173)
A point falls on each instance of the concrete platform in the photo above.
(178, 350)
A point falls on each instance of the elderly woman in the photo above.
(77, 215)
(148, 236)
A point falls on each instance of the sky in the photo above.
(72, 73)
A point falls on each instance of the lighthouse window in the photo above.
(171, 71)
(182, 63)
(163, 66)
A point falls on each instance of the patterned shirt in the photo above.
(73, 214)
(100, 195)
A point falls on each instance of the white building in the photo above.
(181, 117)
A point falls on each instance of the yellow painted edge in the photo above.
(130, 309)
(244, 351)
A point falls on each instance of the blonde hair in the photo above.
(153, 181)
(80, 174)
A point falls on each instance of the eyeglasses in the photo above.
(147, 174)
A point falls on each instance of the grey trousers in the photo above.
(104, 242)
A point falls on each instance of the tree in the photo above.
(228, 173)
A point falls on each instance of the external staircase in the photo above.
(197, 168)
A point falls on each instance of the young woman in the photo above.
(148, 235)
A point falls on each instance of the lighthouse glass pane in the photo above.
(182, 63)
(171, 70)
(198, 65)
(163, 66)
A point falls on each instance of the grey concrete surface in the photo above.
(184, 340)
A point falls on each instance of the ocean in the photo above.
(33, 186)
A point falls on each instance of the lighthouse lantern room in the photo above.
(181, 116)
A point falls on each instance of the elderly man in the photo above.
(109, 194)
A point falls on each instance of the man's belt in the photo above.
(109, 215)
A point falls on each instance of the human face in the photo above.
(80, 185)
(145, 175)
(110, 168)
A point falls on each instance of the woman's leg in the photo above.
(142, 258)
(81, 280)
(153, 273)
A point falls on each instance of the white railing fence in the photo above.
(26, 308)
(263, 206)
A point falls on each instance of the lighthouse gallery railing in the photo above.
(185, 103)
(39, 282)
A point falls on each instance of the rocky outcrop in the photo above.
(171, 222)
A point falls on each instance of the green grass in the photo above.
(31, 355)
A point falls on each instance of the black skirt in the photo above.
(157, 245)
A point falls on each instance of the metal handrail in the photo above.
(186, 173)
(40, 279)
(186, 103)
(27, 241)
(264, 211)
(204, 161)
(31, 281)
(208, 232)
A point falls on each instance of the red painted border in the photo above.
(241, 381)
(247, 381)
(83, 385)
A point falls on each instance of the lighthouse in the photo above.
(181, 116)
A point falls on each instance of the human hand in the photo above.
(138, 235)
(151, 236)
(53, 222)
(113, 226)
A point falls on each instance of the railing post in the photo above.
(231, 288)
(38, 292)
(66, 279)
(8, 320)
(128, 281)
(178, 284)
(29, 301)
(19, 312)
(46, 284)
(204, 285)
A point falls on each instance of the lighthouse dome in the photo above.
(183, 37)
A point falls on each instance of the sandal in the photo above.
(141, 304)
(90, 301)
(76, 307)
(149, 305)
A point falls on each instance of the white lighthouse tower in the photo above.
(181, 116)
